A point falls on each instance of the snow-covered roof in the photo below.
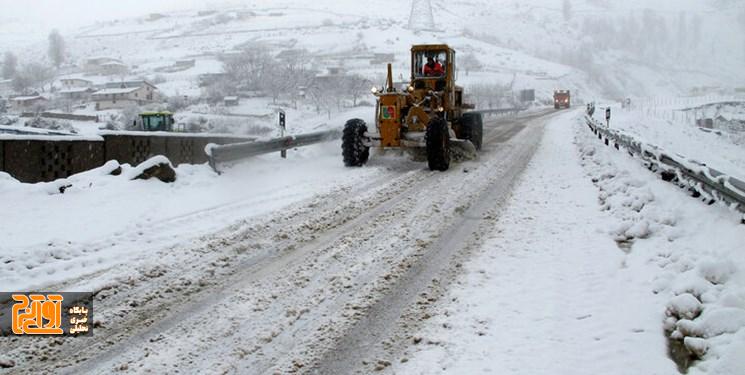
(75, 79)
(125, 84)
(231, 98)
(116, 91)
(101, 58)
(79, 77)
(75, 90)
(27, 98)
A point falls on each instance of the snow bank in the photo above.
(698, 248)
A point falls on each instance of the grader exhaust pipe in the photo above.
(390, 78)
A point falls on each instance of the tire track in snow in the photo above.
(220, 268)
(386, 326)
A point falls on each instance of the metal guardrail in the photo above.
(236, 151)
(61, 116)
(498, 111)
(675, 168)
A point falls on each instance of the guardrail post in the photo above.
(282, 129)
(607, 117)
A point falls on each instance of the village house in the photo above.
(76, 94)
(130, 84)
(73, 83)
(105, 66)
(231, 101)
(114, 69)
(27, 103)
(117, 95)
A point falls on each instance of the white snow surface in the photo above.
(103, 220)
(552, 293)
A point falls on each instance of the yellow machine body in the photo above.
(411, 109)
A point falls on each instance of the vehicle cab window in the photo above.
(428, 64)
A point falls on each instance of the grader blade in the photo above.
(461, 149)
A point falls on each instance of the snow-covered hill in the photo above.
(595, 47)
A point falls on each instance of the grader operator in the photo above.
(428, 114)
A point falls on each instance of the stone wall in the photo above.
(39, 160)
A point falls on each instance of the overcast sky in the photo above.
(71, 14)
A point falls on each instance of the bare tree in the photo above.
(324, 93)
(355, 86)
(63, 104)
(217, 90)
(470, 62)
(10, 65)
(56, 48)
(247, 70)
(276, 81)
(128, 117)
(21, 83)
(34, 75)
(294, 74)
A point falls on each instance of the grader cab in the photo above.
(428, 114)
(157, 121)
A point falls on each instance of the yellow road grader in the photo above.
(428, 114)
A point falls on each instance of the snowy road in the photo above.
(311, 288)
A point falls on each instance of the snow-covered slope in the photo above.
(594, 47)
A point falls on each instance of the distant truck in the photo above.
(562, 99)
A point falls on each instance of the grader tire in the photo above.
(354, 149)
(438, 144)
(473, 128)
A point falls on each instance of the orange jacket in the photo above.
(434, 71)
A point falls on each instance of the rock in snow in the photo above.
(158, 167)
(684, 306)
(7, 363)
(697, 346)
